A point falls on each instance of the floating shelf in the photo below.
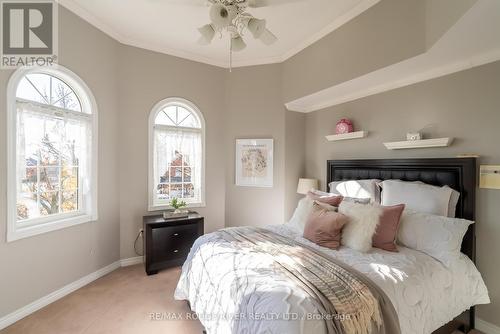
(346, 136)
(424, 143)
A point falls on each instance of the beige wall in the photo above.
(34, 267)
(464, 105)
(144, 79)
(248, 103)
(254, 109)
(295, 151)
(389, 32)
(441, 15)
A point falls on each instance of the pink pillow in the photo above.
(387, 229)
(324, 227)
(329, 199)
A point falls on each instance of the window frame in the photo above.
(158, 107)
(86, 214)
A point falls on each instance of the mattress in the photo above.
(425, 293)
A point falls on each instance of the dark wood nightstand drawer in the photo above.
(167, 242)
(173, 242)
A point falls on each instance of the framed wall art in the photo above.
(254, 162)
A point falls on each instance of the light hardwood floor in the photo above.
(121, 302)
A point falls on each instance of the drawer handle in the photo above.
(176, 234)
(176, 251)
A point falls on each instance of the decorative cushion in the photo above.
(324, 226)
(323, 197)
(417, 196)
(387, 230)
(360, 189)
(363, 221)
(438, 236)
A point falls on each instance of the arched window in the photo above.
(176, 154)
(52, 145)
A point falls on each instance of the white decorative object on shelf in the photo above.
(345, 136)
(413, 136)
(425, 143)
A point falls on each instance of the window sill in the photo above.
(152, 208)
(17, 233)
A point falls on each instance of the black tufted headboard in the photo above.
(458, 173)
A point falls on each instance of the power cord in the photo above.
(141, 232)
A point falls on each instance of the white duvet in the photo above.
(425, 293)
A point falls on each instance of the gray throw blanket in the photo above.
(348, 301)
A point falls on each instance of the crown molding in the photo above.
(78, 10)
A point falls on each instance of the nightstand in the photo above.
(167, 242)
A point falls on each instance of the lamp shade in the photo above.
(256, 27)
(207, 33)
(307, 184)
(237, 43)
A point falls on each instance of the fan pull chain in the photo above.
(230, 55)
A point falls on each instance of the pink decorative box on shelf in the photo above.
(344, 126)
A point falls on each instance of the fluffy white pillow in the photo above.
(438, 236)
(417, 196)
(363, 221)
(359, 189)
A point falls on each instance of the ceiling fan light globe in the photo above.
(232, 11)
(256, 27)
(207, 33)
(220, 15)
(237, 44)
(268, 37)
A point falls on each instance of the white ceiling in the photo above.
(170, 26)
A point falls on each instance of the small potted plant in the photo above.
(180, 209)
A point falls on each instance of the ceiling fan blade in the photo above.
(267, 3)
(268, 37)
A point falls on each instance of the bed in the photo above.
(427, 297)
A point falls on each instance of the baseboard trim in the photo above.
(487, 327)
(17, 315)
(131, 261)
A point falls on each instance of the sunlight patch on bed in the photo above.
(387, 272)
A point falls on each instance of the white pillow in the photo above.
(452, 206)
(438, 236)
(301, 213)
(360, 189)
(455, 196)
(417, 196)
(363, 221)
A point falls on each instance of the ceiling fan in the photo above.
(231, 16)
